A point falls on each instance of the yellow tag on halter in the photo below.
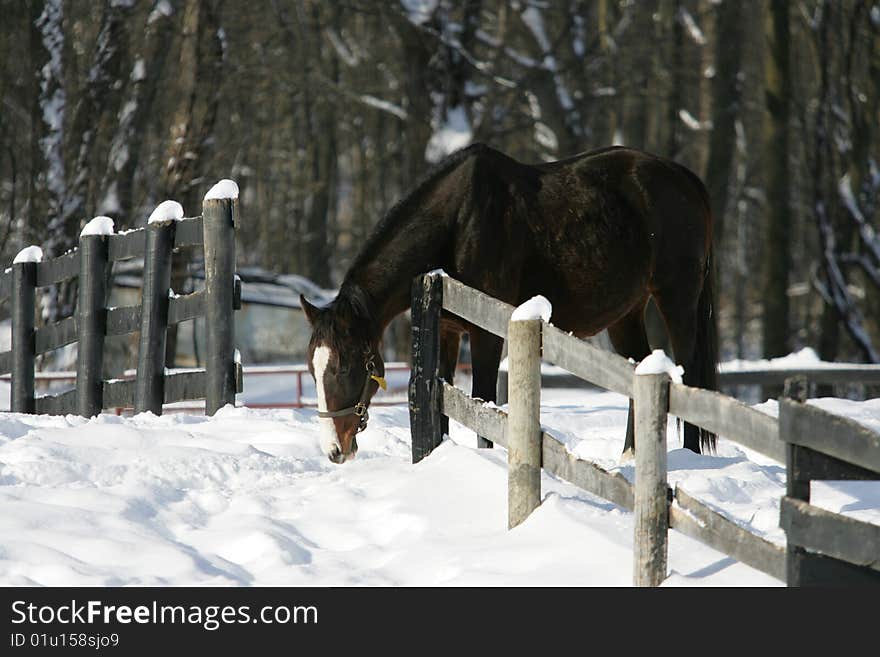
(380, 380)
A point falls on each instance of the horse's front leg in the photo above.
(450, 340)
(485, 357)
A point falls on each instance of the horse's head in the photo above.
(345, 362)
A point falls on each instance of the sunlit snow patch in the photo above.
(224, 189)
(538, 307)
(29, 254)
(98, 226)
(659, 363)
(166, 211)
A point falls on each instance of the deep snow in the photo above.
(248, 498)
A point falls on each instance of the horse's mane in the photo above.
(398, 211)
(347, 317)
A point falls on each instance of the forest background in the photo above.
(325, 113)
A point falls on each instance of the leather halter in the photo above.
(360, 408)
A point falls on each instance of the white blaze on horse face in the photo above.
(329, 439)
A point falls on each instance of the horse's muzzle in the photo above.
(337, 456)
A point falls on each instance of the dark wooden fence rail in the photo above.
(433, 400)
(93, 320)
(825, 548)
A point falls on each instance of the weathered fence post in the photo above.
(425, 416)
(150, 384)
(523, 419)
(91, 319)
(220, 218)
(24, 285)
(651, 400)
(796, 389)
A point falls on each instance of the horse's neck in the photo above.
(386, 270)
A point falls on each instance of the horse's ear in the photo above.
(310, 311)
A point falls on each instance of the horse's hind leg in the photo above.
(486, 351)
(679, 310)
(630, 340)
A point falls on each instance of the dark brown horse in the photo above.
(597, 234)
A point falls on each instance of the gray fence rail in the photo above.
(826, 548)
(93, 320)
(656, 506)
(826, 374)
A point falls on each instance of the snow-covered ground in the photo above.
(805, 358)
(247, 498)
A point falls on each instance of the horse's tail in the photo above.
(706, 347)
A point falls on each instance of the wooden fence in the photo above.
(656, 506)
(825, 374)
(92, 321)
(824, 548)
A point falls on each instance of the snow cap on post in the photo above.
(538, 307)
(659, 363)
(224, 189)
(29, 254)
(98, 226)
(166, 211)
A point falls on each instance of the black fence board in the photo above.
(189, 232)
(118, 393)
(184, 386)
(5, 284)
(840, 437)
(56, 335)
(127, 245)
(810, 465)
(58, 269)
(61, 404)
(829, 533)
(121, 321)
(186, 307)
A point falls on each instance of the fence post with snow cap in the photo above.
(91, 315)
(426, 419)
(651, 400)
(158, 247)
(24, 286)
(850, 451)
(92, 321)
(523, 419)
(220, 218)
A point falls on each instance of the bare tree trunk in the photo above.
(841, 307)
(777, 259)
(201, 63)
(41, 77)
(726, 107)
(416, 53)
(51, 182)
(67, 149)
(321, 119)
(97, 100)
(132, 120)
(636, 100)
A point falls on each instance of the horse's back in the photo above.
(612, 224)
(665, 198)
